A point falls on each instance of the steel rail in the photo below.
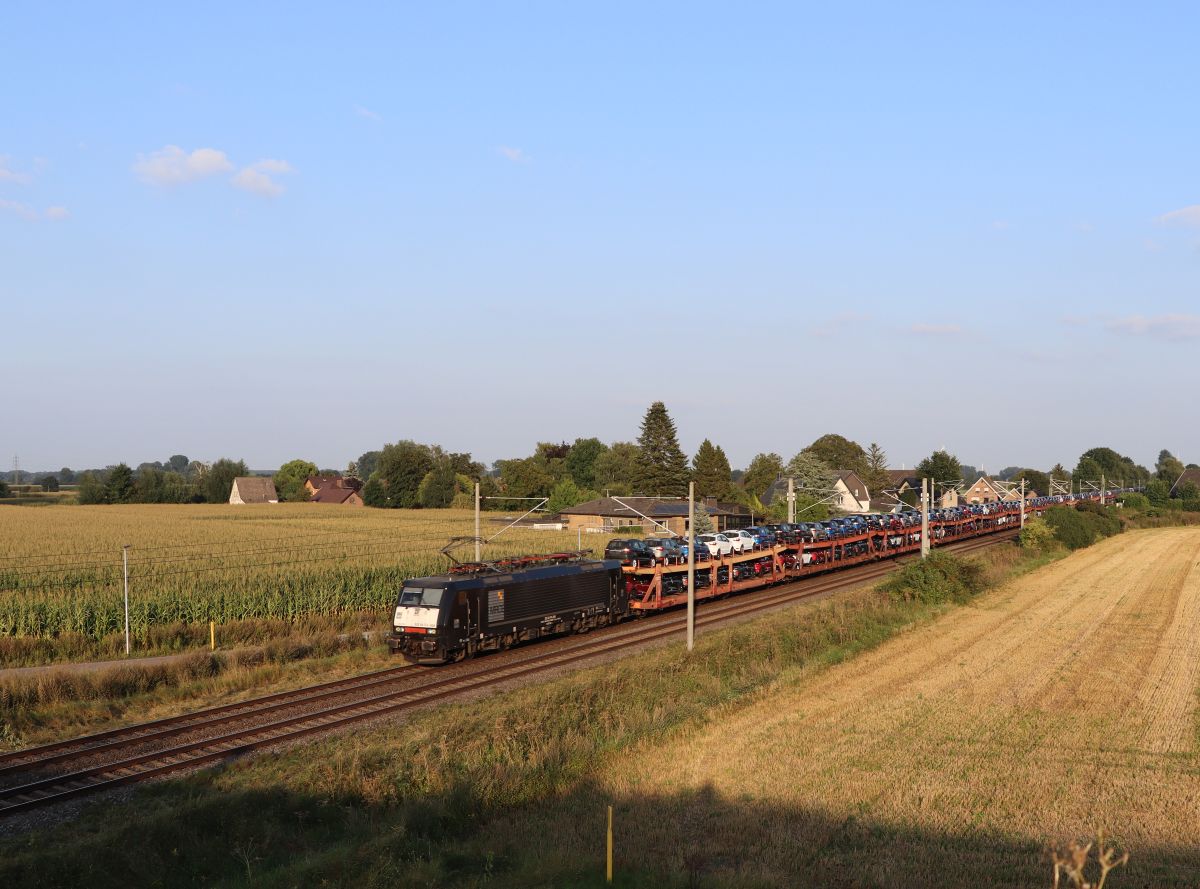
(201, 752)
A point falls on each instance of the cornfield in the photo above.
(61, 568)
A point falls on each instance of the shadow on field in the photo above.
(190, 833)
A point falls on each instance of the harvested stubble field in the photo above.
(1061, 704)
(255, 569)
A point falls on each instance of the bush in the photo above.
(1082, 526)
(939, 578)
(1191, 505)
(1037, 535)
(1070, 527)
(1140, 502)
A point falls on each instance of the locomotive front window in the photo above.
(430, 597)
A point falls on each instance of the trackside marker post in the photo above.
(212, 635)
(691, 574)
(608, 870)
(125, 565)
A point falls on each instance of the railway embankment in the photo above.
(433, 801)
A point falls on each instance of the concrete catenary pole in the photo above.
(691, 577)
(477, 541)
(1102, 489)
(1022, 503)
(924, 518)
(791, 500)
(125, 565)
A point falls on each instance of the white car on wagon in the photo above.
(743, 541)
(718, 544)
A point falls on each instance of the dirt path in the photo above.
(1061, 704)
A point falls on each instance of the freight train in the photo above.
(492, 606)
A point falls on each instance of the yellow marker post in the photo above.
(609, 871)
(212, 635)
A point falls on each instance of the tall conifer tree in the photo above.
(662, 466)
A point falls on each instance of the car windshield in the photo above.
(428, 597)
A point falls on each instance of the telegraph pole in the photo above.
(691, 577)
(791, 500)
(477, 538)
(924, 518)
(125, 564)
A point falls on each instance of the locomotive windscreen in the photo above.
(430, 597)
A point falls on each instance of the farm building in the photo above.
(315, 482)
(650, 514)
(337, 494)
(253, 489)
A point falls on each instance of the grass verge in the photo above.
(410, 803)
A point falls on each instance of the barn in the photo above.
(253, 489)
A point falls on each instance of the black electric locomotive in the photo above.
(451, 616)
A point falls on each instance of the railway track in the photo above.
(120, 756)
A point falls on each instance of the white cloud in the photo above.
(22, 210)
(936, 329)
(27, 212)
(8, 174)
(171, 165)
(1163, 327)
(368, 113)
(257, 177)
(1184, 216)
(516, 155)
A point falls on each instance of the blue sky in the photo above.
(300, 232)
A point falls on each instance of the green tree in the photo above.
(177, 463)
(289, 480)
(1168, 468)
(118, 487)
(50, 484)
(616, 468)
(530, 476)
(438, 487)
(762, 472)
(662, 467)
(401, 469)
(876, 476)
(838, 452)
(218, 479)
(566, 494)
(364, 467)
(1035, 480)
(1106, 462)
(703, 523)
(710, 471)
(90, 490)
(374, 494)
(940, 466)
(3, 488)
(1059, 473)
(1187, 491)
(812, 474)
(581, 461)
(1157, 492)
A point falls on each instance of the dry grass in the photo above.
(952, 754)
(61, 576)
